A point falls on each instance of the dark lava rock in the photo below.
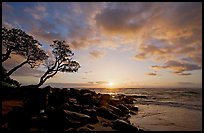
(90, 126)
(114, 102)
(132, 112)
(105, 113)
(134, 108)
(84, 129)
(104, 99)
(128, 100)
(77, 116)
(122, 125)
(123, 108)
(18, 120)
(115, 110)
(137, 96)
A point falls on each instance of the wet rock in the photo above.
(105, 113)
(115, 110)
(90, 126)
(83, 91)
(134, 108)
(74, 93)
(138, 96)
(84, 129)
(104, 99)
(77, 116)
(123, 108)
(132, 112)
(122, 125)
(72, 100)
(127, 100)
(114, 102)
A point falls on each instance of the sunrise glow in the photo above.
(136, 46)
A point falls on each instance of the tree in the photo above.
(62, 61)
(18, 42)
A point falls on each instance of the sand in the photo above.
(166, 118)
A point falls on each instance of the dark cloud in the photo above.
(178, 67)
(101, 82)
(152, 74)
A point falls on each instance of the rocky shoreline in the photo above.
(61, 110)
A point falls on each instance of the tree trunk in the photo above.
(6, 56)
(44, 78)
(15, 68)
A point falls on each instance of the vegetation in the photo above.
(62, 61)
(16, 41)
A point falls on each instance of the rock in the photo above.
(122, 125)
(141, 130)
(90, 126)
(83, 91)
(107, 114)
(18, 120)
(104, 99)
(72, 100)
(128, 100)
(84, 129)
(132, 112)
(123, 108)
(76, 116)
(138, 96)
(90, 112)
(114, 102)
(115, 110)
(134, 108)
(74, 93)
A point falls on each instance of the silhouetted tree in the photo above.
(62, 61)
(18, 42)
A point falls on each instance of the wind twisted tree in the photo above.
(62, 61)
(16, 41)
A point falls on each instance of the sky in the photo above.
(118, 45)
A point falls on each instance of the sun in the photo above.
(110, 84)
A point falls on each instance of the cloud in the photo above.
(97, 54)
(157, 31)
(178, 67)
(38, 12)
(99, 82)
(152, 74)
(6, 6)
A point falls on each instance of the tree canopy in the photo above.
(62, 61)
(16, 41)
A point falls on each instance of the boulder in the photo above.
(76, 116)
(122, 125)
(123, 108)
(115, 110)
(105, 113)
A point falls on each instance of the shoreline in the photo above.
(167, 118)
(87, 110)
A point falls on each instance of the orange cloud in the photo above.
(152, 74)
(97, 54)
(177, 67)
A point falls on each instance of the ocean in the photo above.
(173, 109)
(190, 98)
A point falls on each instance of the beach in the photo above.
(166, 118)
